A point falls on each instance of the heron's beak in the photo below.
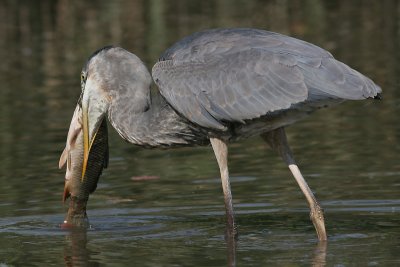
(94, 108)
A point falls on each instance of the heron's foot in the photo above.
(317, 218)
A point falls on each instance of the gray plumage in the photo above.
(232, 75)
(232, 83)
(219, 86)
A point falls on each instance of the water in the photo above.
(349, 154)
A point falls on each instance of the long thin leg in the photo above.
(221, 153)
(277, 140)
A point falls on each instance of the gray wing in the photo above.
(233, 75)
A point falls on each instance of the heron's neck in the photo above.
(156, 126)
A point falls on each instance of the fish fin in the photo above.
(72, 136)
(74, 129)
(69, 162)
(65, 155)
(63, 158)
(66, 193)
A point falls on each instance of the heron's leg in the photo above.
(221, 153)
(277, 140)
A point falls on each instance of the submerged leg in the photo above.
(221, 153)
(277, 140)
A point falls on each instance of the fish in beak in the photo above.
(85, 153)
(76, 188)
(94, 107)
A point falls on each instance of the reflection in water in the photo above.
(231, 246)
(319, 259)
(76, 252)
(318, 256)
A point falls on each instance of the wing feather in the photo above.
(233, 75)
(251, 85)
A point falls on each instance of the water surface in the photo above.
(348, 154)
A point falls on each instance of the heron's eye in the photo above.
(83, 77)
(83, 80)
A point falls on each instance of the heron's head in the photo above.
(111, 76)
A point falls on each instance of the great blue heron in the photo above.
(218, 86)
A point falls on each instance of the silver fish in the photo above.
(78, 188)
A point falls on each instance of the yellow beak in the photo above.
(87, 143)
(94, 107)
(86, 147)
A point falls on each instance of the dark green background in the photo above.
(349, 154)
